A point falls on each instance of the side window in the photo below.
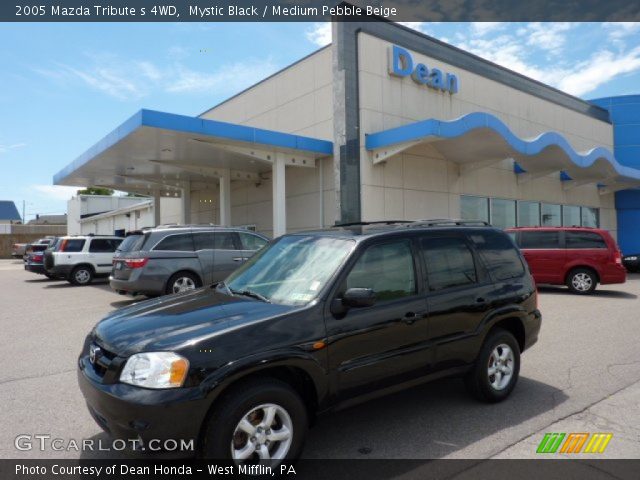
(584, 240)
(177, 243)
(251, 242)
(387, 269)
(73, 245)
(203, 240)
(103, 245)
(449, 262)
(224, 241)
(539, 239)
(499, 253)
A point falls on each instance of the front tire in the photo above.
(495, 372)
(80, 276)
(582, 281)
(261, 421)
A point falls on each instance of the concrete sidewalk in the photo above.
(618, 414)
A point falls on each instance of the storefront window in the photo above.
(528, 214)
(570, 216)
(590, 217)
(474, 208)
(503, 213)
(551, 215)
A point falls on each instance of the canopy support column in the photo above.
(156, 208)
(225, 198)
(186, 203)
(279, 196)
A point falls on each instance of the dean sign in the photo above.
(401, 65)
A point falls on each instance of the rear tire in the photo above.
(495, 372)
(239, 425)
(182, 282)
(582, 281)
(81, 275)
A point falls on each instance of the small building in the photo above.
(9, 212)
(49, 220)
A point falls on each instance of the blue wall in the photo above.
(625, 116)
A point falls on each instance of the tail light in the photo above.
(63, 245)
(38, 258)
(618, 257)
(136, 262)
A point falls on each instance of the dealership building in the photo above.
(384, 123)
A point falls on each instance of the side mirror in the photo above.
(359, 297)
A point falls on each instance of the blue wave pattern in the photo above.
(479, 120)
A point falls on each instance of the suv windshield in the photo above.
(291, 271)
(132, 243)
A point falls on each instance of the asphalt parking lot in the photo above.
(587, 356)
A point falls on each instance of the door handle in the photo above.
(237, 259)
(410, 318)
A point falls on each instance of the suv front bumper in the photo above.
(150, 417)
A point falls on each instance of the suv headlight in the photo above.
(155, 370)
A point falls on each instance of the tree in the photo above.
(95, 191)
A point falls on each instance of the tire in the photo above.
(81, 275)
(49, 276)
(582, 281)
(182, 282)
(253, 399)
(491, 388)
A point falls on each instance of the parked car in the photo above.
(578, 257)
(632, 263)
(34, 259)
(174, 259)
(79, 259)
(19, 250)
(315, 321)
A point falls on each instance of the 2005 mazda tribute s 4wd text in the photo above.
(314, 321)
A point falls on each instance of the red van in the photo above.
(578, 257)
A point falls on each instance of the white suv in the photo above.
(78, 259)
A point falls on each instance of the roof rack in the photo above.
(378, 222)
(449, 222)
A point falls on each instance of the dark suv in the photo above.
(314, 321)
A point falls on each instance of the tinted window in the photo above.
(104, 245)
(177, 243)
(584, 240)
(387, 269)
(224, 241)
(72, 245)
(540, 239)
(499, 254)
(132, 243)
(449, 262)
(251, 242)
(203, 240)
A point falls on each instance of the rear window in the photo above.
(251, 242)
(132, 243)
(449, 262)
(499, 254)
(539, 239)
(104, 245)
(584, 240)
(176, 243)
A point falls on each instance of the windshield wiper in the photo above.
(249, 293)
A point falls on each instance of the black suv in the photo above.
(314, 321)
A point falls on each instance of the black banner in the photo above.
(316, 10)
(567, 468)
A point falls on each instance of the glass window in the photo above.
(251, 242)
(499, 253)
(584, 240)
(293, 270)
(528, 214)
(539, 239)
(132, 243)
(104, 245)
(72, 245)
(474, 208)
(551, 215)
(203, 240)
(590, 217)
(570, 216)
(503, 213)
(176, 243)
(387, 269)
(224, 241)
(449, 262)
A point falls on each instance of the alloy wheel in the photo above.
(82, 276)
(183, 284)
(500, 368)
(582, 281)
(264, 433)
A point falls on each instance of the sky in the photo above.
(65, 86)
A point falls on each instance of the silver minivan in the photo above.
(173, 259)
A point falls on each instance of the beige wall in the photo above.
(298, 100)
(421, 183)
